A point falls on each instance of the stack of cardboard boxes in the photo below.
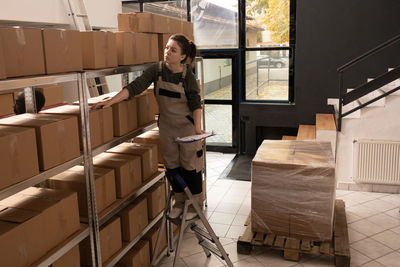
(155, 27)
(293, 189)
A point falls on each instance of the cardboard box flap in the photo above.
(6, 130)
(113, 159)
(33, 120)
(291, 152)
(15, 215)
(65, 109)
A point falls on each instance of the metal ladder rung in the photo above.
(212, 248)
(81, 15)
(195, 228)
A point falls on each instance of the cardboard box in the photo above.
(18, 155)
(155, 199)
(141, 48)
(139, 255)
(162, 43)
(153, 101)
(145, 114)
(151, 137)
(99, 50)
(187, 29)
(151, 236)
(2, 61)
(24, 218)
(124, 114)
(125, 48)
(293, 189)
(101, 123)
(128, 171)
(69, 259)
(53, 94)
(110, 242)
(135, 22)
(152, 48)
(56, 136)
(62, 50)
(174, 25)
(6, 104)
(23, 51)
(134, 219)
(148, 155)
(111, 50)
(74, 179)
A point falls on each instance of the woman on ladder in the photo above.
(178, 98)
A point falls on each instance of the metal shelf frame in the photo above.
(86, 157)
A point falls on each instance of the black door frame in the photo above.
(234, 55)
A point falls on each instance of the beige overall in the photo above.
(176, 120)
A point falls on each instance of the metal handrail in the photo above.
(369, 53)
(341, 70)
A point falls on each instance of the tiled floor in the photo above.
(373, 223)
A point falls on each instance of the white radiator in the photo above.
(377, 162)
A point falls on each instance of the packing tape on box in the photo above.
(20, 36)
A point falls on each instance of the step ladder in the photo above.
(77, 11)
(207, 238)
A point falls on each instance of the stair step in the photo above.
(289, 137)
(325, 122)
(306, 132)
(195, 228)
(212, 248)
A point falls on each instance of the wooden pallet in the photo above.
(292, 247)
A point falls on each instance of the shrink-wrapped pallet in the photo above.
(293, 189)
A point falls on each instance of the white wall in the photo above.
(102, 13)
(376, 123)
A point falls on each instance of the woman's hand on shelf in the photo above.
(103, 104)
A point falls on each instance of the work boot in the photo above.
(177, 209)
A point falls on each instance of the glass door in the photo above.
(220, 95)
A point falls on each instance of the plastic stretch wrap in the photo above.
(293, 189)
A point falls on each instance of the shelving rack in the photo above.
(94, 220)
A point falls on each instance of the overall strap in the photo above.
(185, 67)
(160, 69)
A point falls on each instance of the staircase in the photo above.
(324, 130)
(377, 122)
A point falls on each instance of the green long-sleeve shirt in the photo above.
(150, 75)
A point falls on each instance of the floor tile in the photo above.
(362, 197)
(390, 260)
(396, 230)
(355, 236)
(366, 227)
(235, 231)
(223, 218)
(389, 238)
(384, 221)
(372, 264)
(392, 198)
(239, 220)
(189, 247)
(319, 261)
(380, 205)
(220, 229)
(179, 263)
(244, 209)
(228, 207)
(351, 217)
(200, 260)
(249, 262)
(272, 258)
(362, 211)
(371, 247)
(394, 213)
(357, 258)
